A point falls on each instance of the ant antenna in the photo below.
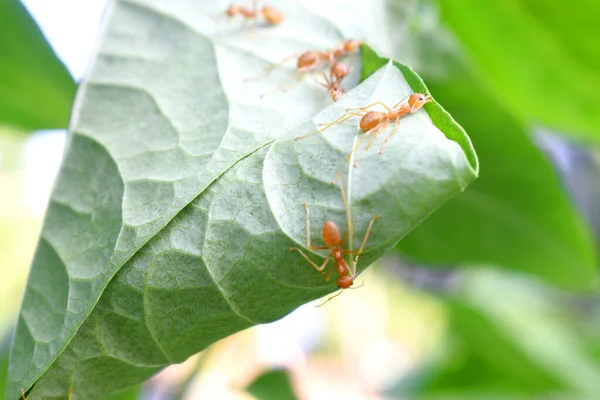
(332, 297)
(359, 286)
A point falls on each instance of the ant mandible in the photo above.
(334, 243)
(373, 122)
(269, 13)
(333, 83)
(310, 61)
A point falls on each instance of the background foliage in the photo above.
(517, 313)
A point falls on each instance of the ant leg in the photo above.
(295, 83)
(327, 83)
(311, 262)
(377, 103)
(330, 272)
(343, 118)
(281, 84)
(350, 230)
(364, 242)
(375, 131)
(387, 139)
(402, 101)
(354, 264)
(71, 394)
(308, 244)
(362, 246)
(349, 156)
(272, 67)
(346, 116)
(23, 394)
(341, 170)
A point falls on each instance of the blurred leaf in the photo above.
(36, 90)
(517, 213)
(164, 232)
(4, 353)
(540, 59)
(272, 385)
(511, 337)
(130, 394)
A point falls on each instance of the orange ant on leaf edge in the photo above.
(373, 122)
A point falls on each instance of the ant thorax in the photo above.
(337, 254)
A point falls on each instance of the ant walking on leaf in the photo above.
(309, 61)
(334, 242)
(373, 122)
(270, 14)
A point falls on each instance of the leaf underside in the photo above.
(171, 220)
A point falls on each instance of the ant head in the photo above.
(351, 45)
(417, 100)
(331, 234)
(336, 92)
(272, 15)
(339, 70)
(232, 10)
(344, 281)
(307, 59)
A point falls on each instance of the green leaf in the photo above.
(539, 60)
(4, 352)
(517, 214)
(272, 385)
(521, 340)
(36, 90)
(164, 232)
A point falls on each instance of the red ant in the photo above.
(334, 243)
(311, 60)
(333, 83)
(373, 122)
(269, 13)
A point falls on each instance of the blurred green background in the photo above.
(494, 297)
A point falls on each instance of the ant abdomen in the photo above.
(331, 234)
(307, 59)
(272, 15)
(370, 120)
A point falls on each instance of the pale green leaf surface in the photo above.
(159, 238)
(170, 131)
(36, 90)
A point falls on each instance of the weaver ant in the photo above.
(373, 122)
(334, 243)
(269, 13)
(333, 83)
(310, 61)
